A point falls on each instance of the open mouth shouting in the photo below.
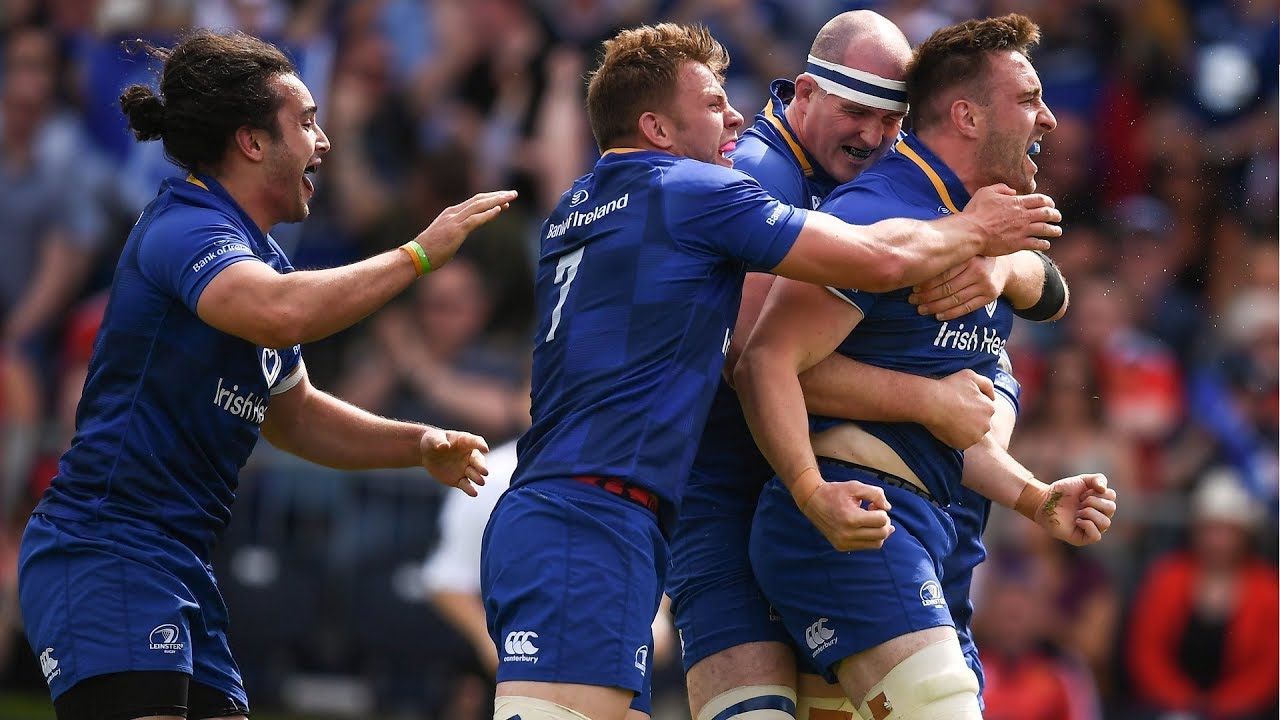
(310, 169)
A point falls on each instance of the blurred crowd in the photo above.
(1164, 375)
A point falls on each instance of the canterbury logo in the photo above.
(520, 643)
(817, 634)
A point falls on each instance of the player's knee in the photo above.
(759, 702)
(933, 684)
(517, 707)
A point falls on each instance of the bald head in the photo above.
(864, 40)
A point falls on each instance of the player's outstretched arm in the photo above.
(1031, 282)
(254, 302)
(956, 409)
(799, 325)
(1076, 510)
(900, 252)
(321, 428)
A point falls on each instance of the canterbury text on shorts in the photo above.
(572, 578)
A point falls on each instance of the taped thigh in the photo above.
(933, 684)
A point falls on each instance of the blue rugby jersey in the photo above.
(914, 183)
(171, 406)
(638, 284)
(770, 153)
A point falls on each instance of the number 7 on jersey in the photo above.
(566, 271)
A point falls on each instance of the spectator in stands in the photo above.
(1204, 638)
(431, 362)
(51, 229)
(1026, 678)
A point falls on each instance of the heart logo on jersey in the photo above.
(271, 364)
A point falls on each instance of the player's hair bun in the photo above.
(145, 110)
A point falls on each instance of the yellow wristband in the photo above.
(418, 255)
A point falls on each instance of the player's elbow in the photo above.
(752, 365)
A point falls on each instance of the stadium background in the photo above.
(1164, 375)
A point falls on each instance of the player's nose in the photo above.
(732, 118)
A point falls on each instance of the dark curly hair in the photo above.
(211, 85)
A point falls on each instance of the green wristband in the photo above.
(419, 257)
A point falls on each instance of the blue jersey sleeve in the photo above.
(1006, 384)
(776, 174)
(725, 212)
(181, 258)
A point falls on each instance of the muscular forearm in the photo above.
(774, 405)
(330, 432)
(845, 388)
(990, 471)
(319, 303)
(888, 255)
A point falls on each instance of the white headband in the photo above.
(861, 87)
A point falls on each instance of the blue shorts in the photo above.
(969, 512)
(572, 578)
(102, 597)
(715, 600)
(836, 604)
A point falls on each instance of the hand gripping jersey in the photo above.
(637, 291)
(171, 406)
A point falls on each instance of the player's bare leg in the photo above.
(750, 671)
(918, 676)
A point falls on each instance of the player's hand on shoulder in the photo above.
(1078, 509)
(850, 515)
(961, 414)
(445, 234)
(1012, 222)
(454, 458)
(962, 289)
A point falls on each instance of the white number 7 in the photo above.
(566, 270)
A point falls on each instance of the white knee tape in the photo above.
(753, 702)
(507, 707)
(827, 707)
(933, 684)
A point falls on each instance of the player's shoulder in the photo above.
(687, 174)
(874, 195)
(764, 162)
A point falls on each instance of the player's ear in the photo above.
(250, 142)
(966, 118)
(805, 89)
(656, 128)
